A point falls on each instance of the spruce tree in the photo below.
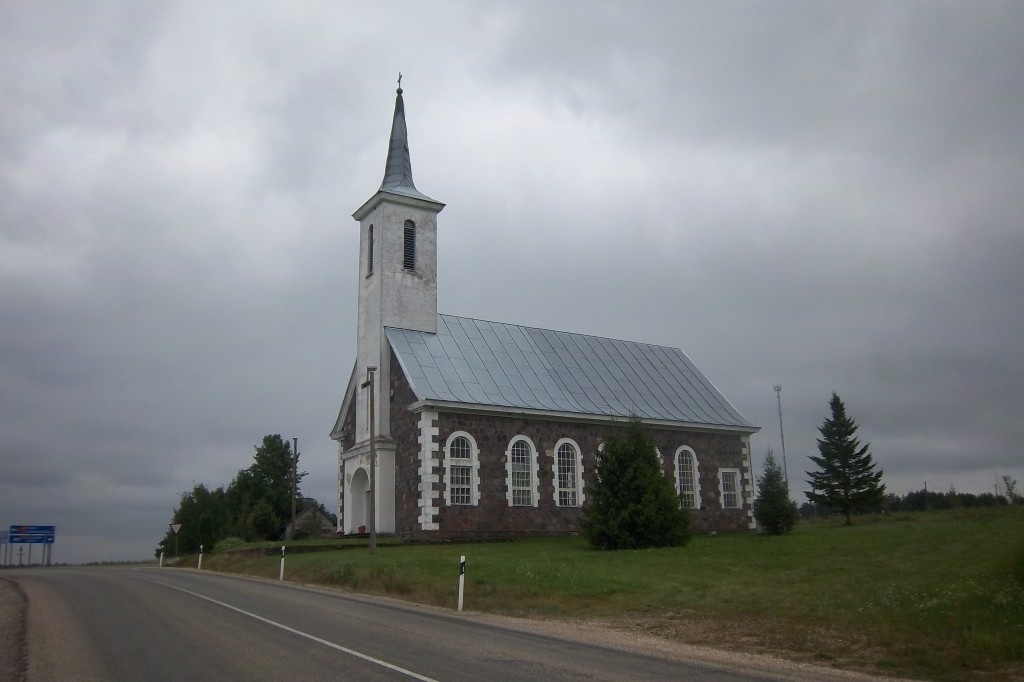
(773, 509)
(631, 505)
(846, 478)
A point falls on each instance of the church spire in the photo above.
(398, 170)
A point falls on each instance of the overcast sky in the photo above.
(826, 196)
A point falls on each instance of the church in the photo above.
(488, 430)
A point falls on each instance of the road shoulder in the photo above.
(13, 650)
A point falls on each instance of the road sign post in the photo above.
(462, 578)
(33, 535)
(175, 527)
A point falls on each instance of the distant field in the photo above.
(938, 595)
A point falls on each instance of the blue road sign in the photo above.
(32, 535)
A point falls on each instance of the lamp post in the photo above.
(373, 464)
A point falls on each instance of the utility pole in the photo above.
(295, 473)
(373, 464)
(782, 435)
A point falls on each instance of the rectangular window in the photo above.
(730, 490)
(522, 493)
(461, 479)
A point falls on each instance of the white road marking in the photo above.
(300, 633)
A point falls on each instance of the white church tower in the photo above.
(397, 288)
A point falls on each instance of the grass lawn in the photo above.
(938, 595)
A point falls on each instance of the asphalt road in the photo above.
(168, 624)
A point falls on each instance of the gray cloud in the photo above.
(821, 196)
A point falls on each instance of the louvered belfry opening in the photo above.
(369, 252)
(409, 253)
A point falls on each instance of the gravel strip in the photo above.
(13, 662)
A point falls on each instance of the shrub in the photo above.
(773, 509)
(631, 505)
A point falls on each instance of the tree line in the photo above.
(255, 505)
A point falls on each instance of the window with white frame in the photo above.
(687, 478)
(730, 482)
(568, 474)
(521, 468)
(461, 470)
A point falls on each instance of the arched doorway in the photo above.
(359, 500)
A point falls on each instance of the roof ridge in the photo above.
(559, 331)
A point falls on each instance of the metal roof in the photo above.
(493, 364)
(398, 168)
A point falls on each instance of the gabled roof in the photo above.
(496, 365)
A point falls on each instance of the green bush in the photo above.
(228, 544)
(773, 509)
(631, 505)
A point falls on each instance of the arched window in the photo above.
(409, 252)
(568, 474)
(521, 468)
(461, 470)
(369, 252)
(687, 478)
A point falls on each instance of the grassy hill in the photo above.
(937, 595)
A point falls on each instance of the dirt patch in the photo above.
(717, 648)
(13, 604)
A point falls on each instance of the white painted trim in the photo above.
(493, 410)
(748, 478)
(739, 487)
(474, 464)
(697, 501)
(428, 463)
(580, 497)
(534, 467)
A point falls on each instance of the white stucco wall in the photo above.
(392, 296)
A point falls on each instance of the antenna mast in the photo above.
(782, 434)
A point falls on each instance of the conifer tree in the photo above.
(773, 509)
(631, 505)
(846, 478)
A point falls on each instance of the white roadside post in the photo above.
(462, 578)
(200, 565)
(281, 576)
(161, 559)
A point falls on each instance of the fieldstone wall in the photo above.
(492, 517)
(405, 432)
